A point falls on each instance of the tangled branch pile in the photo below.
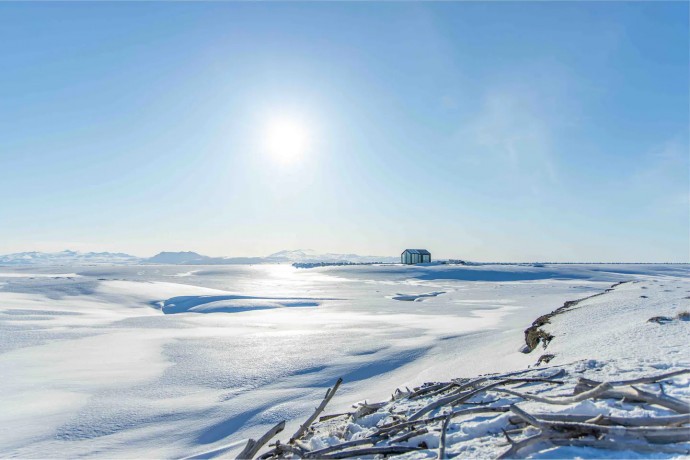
(508, 415)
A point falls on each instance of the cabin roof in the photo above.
(423, 252)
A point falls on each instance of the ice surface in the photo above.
(92, 365)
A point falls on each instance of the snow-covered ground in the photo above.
(604, 338)
(177, 361)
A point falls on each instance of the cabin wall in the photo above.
(412, 258)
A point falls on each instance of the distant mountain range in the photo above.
(67, 258)
(180, 258)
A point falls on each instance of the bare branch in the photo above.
(329, 395)
(620, 445)
(253, 447)
(386, 450)
(442, 446)
(593, 393)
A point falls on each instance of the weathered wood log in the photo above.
(457, 392)
(465, 397)
(560, 373)
(565, 400)
(367, 408)
(329, 395)
(527, 417)
(425, 390)
(661, 435)
(518, 446)
(385, 450)
(253, 446)
(331, 416)
(619, 445)
(456, 397)
(281, 449)
(637, 394)
(335, 448)
(642, 380)
(436, 404)
(442, 442)
(394, 427)
(440, 390)
(409, 435)
(668, 420)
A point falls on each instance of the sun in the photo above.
(287, 139)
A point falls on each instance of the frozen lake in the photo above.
(175, 361)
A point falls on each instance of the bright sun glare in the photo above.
(287, 139)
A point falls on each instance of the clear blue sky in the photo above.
(487, 131)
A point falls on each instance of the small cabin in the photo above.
(415, 256)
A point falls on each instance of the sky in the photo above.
(517, 131)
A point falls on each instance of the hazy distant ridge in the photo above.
(68, 257)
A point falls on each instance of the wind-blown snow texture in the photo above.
(175, 361)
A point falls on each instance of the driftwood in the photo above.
(620, 445)
(386, 450)
(457, 396)
(643, 434)
(642, 380)
(593, 393)
(346, 445)
(668, 420)
(425, 390)
(409, 435)
(442, 443)
(518, 446)
(329, 395)
(385, 429)
(661, 435)
(636, 394)
(281, 449)
(252, 447)
(367, 408)
(323, 418)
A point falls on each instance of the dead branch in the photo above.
(668, 420)
(366, 409)
(457, 397)
(391, 428)
(329, 395)
(253, 447)
(619, 445)
(636, 394)
(661, 435)
(443, 389)
(331, 416)
(385, 450)
(527, 417)
(281, 449)
(641, 380)
(518, 446)
(346, 445)
(427, 389)
(593, 393)
(442, 444)
(409, 435)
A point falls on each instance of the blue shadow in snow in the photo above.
(184, 304)
(495, 275)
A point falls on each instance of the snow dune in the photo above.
(93, 366)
